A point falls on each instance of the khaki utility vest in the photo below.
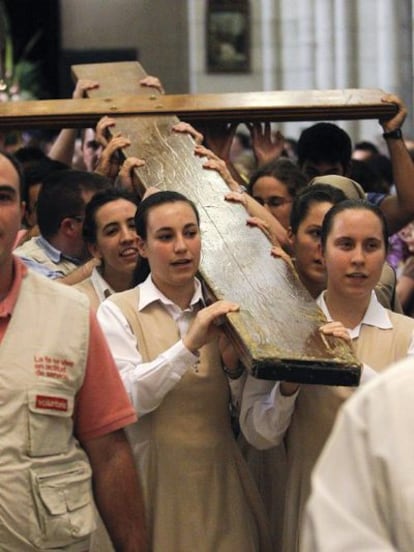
(46, 500)
(32, 250)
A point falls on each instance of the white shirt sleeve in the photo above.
(146, 383)
(265, 413)
(343, 513)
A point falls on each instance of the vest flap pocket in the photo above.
(51, 402)
(50, 425)
(65, 492)
(63, 503)
(52, 500)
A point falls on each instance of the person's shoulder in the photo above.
(57, 290)
(398, 318)
(28, 245)
(390, 388)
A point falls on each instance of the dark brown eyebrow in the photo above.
(8, 188)
(116, 222)
(169, 228)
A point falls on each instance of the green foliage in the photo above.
(22, 78)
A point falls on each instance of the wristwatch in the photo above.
(393, 134)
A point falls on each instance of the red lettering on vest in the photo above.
(51, 403)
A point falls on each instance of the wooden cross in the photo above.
(277, 329)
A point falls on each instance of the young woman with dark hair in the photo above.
(109, 232)
(175, 363)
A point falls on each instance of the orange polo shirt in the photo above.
(102, 405)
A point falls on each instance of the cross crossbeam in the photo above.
(298, 105)
(277, 329)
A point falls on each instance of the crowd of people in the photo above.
(130, 422)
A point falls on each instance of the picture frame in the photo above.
(228, 36)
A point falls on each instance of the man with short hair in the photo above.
(325, 149)
(62, 413)
(60, 248)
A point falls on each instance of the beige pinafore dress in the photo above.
(315, 413)
(198, 491)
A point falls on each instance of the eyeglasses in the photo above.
(273, 201)
(93, 144)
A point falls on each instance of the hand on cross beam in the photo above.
(101, 131)
(186, 128)
(215, 163)
(260, 217)
(397, 120)
(109, 162)
(152, 82)
(83, 86)
(126, 176)
(205, 325)
(265, 227)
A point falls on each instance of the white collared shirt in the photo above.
(147, 383)
(266, 413)
(377, 316)
(102, 289)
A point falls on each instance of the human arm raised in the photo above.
(276, 233)
(215, 163)
(271, 226)
(64, 146)
(398, 209)
(218, 137)
(267, 146)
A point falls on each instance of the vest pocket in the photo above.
(50, 426)
(63, 504)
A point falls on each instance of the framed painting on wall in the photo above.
(228, 36)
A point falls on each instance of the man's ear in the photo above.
(142, 247)
(69, 227)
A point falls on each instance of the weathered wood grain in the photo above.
(277, 329)
(297, 105)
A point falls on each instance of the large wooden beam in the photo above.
(277, 329)
(298, 105)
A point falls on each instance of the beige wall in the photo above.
(295, 44)
(156, 28)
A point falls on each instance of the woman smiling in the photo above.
(109, 231)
